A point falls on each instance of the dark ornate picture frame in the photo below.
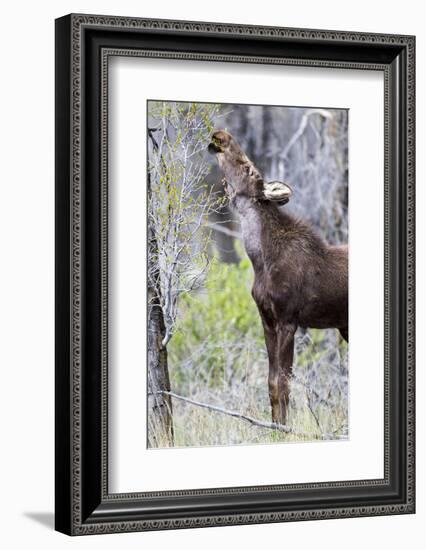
(84, 44)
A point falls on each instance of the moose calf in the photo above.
(299, 280)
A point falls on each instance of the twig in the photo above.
(250, 419)
(308, 400)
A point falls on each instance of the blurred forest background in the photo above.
(206, 350)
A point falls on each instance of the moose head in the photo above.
(242, 178)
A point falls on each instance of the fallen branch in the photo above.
(250, 419)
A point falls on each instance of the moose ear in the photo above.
(277, 191)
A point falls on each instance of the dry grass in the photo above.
(318, 400)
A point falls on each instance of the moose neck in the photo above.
(256, 217)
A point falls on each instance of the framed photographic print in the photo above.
(234, 274)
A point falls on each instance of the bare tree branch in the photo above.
(225, 230)
(302, 127)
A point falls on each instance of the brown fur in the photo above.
(299, 279)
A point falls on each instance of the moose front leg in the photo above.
(280, 345)
(271, 342)
(285, 351)
(279, 340)
(271, 346)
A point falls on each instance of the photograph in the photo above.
(235, 273)
(247, 274)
